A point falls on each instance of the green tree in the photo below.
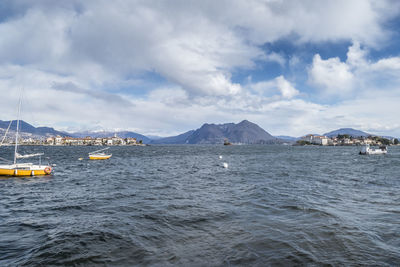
(396, 141)
(303, 142)
(343, 136)
(384, 141)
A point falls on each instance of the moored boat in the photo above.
(367, 150)
(98, 155)
(22, 169)
(227, 143)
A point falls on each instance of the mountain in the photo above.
(28, 129)
(179, 139)
(349, 131)
(103, 134)
(288, 138)
(244, 132)
(154, 137)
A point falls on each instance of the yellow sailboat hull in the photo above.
(26, 171)
(99, 157)
(22, 169)
(5, 172)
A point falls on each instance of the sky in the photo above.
(166, 67)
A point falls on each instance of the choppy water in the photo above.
(178, 205)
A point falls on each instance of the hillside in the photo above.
(179, 139)
(349, 131)
(28, 129)
(244, 132)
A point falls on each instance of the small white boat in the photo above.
(367, 150)
(98, 155)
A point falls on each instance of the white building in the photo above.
(58, 140)
(316, 139)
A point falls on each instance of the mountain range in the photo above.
(28, 129)
(244, 132)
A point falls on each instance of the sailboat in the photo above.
(23, 169)
(98, 154)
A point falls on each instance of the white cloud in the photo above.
(270, 88)
(331, 75)
(356, 75)
(387, 64)
(287, 90)
(356, 57)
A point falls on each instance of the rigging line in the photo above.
(28, 108)
(6, 160)
(5, 135)
(8, 128)
(16, 133)
(98, 150)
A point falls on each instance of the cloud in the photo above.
(75, 57)
(287, 90)
(196, 45)
(331, 75)
(270, 88)
(356, 75)
(356, 57)
(168, 110)
(106, 97)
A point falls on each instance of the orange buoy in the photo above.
(47, 170)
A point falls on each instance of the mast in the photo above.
(98, 150)
(16, 134)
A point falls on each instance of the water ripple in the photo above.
(178, 205)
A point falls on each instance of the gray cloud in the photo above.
(195, 44)
(106, 97)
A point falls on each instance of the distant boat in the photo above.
(367, 150)
(227, 143)
(22, 169)
(98, 155)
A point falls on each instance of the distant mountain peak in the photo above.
(27, 128)
(348, 131)
(244, 132)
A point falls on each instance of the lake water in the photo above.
(178, 205)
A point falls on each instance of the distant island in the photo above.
(244, 132)
(346, 140)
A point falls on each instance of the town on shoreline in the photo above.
(76, 141)
(310, 139)
(346, 140)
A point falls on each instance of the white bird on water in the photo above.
(225, 165)
(220, 157)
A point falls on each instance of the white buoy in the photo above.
(225, 165)
(220, 157)
(80, 159)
